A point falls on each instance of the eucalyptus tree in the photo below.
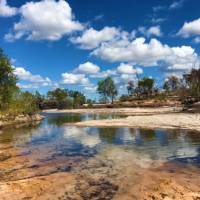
(107, 89)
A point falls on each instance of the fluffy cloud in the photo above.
(72, 79)
(151, 31)
(104, 74)
(88, 68)
(25, 75)
(31, 80)
(190, 28)
(154, 53)
(128, 69)
(6, 10)
(92, 38)
(45, 20)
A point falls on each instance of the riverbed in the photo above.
(56, 159)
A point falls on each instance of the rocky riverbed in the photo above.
(110, 175)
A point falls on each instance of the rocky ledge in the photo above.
(7, 120)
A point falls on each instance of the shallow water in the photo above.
(56, 136)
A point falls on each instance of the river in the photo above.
(56, 145)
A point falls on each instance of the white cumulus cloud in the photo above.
(31, 80)
(73, 79)
(45, 20)
(128, 69)
(190, 28)
(151, 31)
(6, 10)
(154, 53)
(25, 75)
(88, 68)
(92, 38)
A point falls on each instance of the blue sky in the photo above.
(74, 44)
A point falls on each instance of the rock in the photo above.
(4, 156)
(7, 120)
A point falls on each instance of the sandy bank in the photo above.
(168, 121)
(122, 111)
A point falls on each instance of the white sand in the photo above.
(123, 111)
(169, 121)
(164, 117)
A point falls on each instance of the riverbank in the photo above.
(121, 111)
(166, 121)
(162, 117)
(8, 120)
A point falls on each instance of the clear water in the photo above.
(58, 135)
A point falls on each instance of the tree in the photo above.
(60, 97)
(166, 87)
(23, 102)
(64, 98)
(39, 99)
(78, 98)
(130, 88)
(58, 94)
(171, 84)
(146, 86)
(7, 81)
(192, 81)
(107, 89)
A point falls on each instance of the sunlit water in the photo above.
(58, 135)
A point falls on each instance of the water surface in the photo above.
(57, 136)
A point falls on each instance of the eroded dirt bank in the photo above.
(114, 174)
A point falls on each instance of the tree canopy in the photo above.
(146, 86)
(8, 81)
(107, 89)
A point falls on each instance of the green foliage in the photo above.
(172, 84)
(146, 86)
(12, 100)
(130, 88)
(7, 81)
(78, 98)
(107, 89)
(192, 81)
(39, 99)
(58, 94)
(23, 102)
(66, 98)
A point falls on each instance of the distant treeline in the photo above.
(185, 88)
(61, 99)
